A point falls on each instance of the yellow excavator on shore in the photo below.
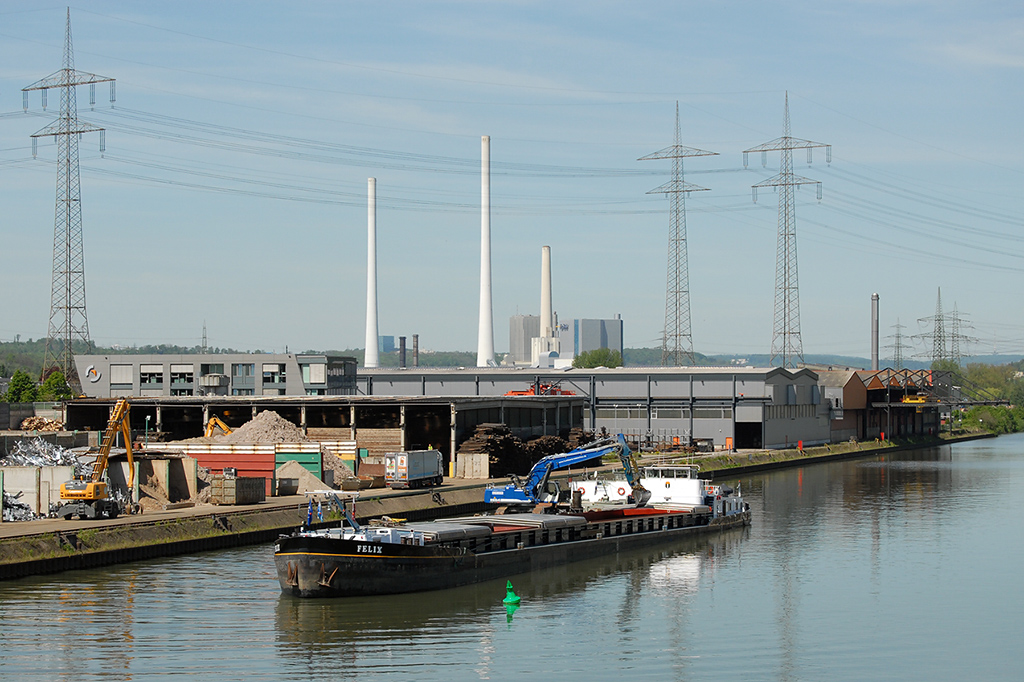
(88, 497)
(216, 423)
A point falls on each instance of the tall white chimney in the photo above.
(485, 334)
(370, 357)
(546, 322)
(874, 331)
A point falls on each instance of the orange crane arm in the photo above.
(119, 422)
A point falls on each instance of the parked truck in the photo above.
(414, 469)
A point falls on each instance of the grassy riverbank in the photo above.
(108, 538)
(724, 463)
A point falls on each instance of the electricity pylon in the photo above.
(897, 345)
(938, 335)
(677, 342)
(68, 320)
(787, 346)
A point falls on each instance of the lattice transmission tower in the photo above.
(68, 321)
(677, 342)
(897, 345)
(939, 351)
(787, 346)
(959, 343)
(939, 331)
(947, 335)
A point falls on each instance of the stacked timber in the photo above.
(41, 424)
(505, 453)
(578, 437)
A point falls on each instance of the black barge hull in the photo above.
(332, 567)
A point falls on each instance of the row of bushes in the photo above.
(993, 418)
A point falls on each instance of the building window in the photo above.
(669, 413)
(243, 369)
(182, 374)
(121, 374)
(151, 376)
(622, 412)
(273, 373)
(241, 391)
(314, 374)
(211, 368)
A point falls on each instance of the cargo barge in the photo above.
(356, 560)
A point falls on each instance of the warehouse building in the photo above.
(730, 407)
(733, 407)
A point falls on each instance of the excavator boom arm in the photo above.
(540, 472)
(119, 422)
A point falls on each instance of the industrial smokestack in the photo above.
(546, 321)
(485, 334)
(401, 352)
(415, 350)
(874, 331)
(371, 359)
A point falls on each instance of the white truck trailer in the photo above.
(414, 469)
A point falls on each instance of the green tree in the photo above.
(993, 418)
(946, 365)
(55, 387)
(1016, 393)
(21, 389)
(600, 357)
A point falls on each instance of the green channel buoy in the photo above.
(510, 596)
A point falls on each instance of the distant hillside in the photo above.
(651, 357)
(762, 359)
(428, 358)
(27, 356)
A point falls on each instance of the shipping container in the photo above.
(250, 461)
(237, 490)
(306, 454)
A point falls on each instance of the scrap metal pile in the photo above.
(39, 453)
(15, 510)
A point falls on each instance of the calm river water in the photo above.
(899, 567)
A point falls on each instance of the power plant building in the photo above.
(586, 335)
(522, 329)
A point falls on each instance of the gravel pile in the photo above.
(267, 427)
(331, 462)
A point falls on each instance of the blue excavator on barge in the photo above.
(535, 490)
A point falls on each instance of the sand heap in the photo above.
(267, 427)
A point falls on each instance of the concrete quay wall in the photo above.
(55, 545)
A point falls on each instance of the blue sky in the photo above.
(233, 185)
